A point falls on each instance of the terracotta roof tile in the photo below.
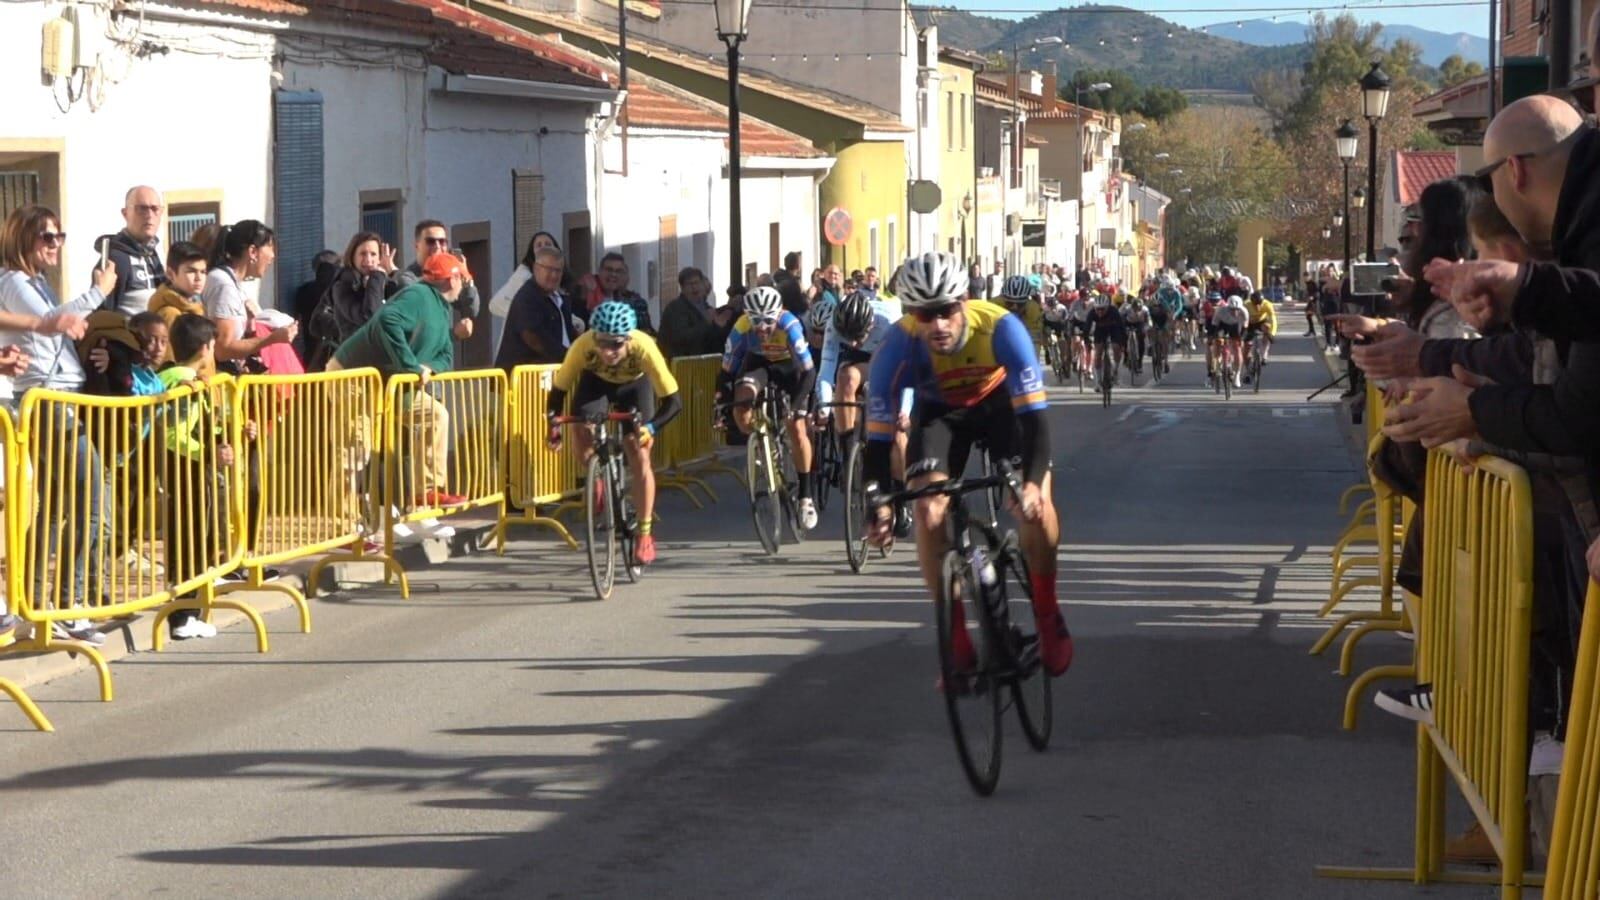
(273, 7)
(1419, 168)
(868, 116)
(653, 103)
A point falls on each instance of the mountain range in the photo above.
(1155, 51)
(1435, 45)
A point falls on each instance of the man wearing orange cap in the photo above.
(411, 335)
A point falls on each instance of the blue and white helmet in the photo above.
(763, 303)
(614, 319)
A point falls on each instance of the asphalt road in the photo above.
(743, 727)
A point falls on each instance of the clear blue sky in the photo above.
(1448, 20)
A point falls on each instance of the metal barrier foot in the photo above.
(391, 567)
(289, 590)
(249, 613)
(42, 642)
(1350, 494)
(1392, 621)
(678, 483)
(1383, 621)
(1344, 590)
(1352, 698)
(529, 517)
(21, 698)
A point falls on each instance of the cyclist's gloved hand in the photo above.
(647, 435)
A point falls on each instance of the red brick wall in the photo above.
(1519, 33)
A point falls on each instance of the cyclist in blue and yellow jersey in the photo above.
(860, 325)
(1021, 299)
(976, 379)
(768, 344)
(615, 367)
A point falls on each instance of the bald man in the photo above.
(135, 250)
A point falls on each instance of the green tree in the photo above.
(1161, 103)
(1454, 70)
(1123, 96)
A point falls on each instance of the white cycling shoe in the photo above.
(808, 514)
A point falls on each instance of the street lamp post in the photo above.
(1358, 201)
(733, 26)
(1083, 147)
(1374, 103)
(1345, 141)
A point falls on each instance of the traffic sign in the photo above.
(924, 197)
(836, 227)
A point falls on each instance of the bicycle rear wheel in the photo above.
(598, 503)
(824, 444)
(854, 489)
(1031, 689)
(971, 699)
(765, 506)
(1255, 373)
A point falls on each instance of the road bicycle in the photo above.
(1186, 335)
(774, 491)
(1255, 363)
(983, 573)
(853, 488)
(1080, 353)
(1108, 375)
(1158, 353)
(829, 465)
(1224, 381)
(610, 524)
(1056, 359)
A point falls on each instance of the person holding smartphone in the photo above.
(432, 237)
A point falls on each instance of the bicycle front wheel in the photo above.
(765, 506)
(854, 489)
(626, 522)
(971, 698)
(598, 503)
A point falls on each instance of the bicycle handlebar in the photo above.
(1004, 475)
(597, 418)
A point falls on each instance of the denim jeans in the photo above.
(70, 502)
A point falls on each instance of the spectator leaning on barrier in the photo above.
(30, 245)
(411, 335)
(243, 252)
(541, 323)
(135, 250)
(691, 325)
(431, 237)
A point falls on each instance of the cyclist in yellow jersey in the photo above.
(615, 367)
(1021, 299)
(1263, 320)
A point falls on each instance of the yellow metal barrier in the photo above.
(136, 503)
(537, 476)
(1473, 626)
(13, 553)
(695, 443)
(314, 443)
(1387, 533)
(1574, 869)
(444, 451)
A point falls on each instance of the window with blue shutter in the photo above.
(297, 187)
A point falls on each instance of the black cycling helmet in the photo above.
(854, 317)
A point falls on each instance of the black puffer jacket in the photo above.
(139, 271)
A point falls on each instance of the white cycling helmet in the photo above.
(1101, 301)
(932, 279)
(820, 315)
(1236, 301)
(763, 303)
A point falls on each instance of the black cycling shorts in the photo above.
(941, 437)
(1209, 329)
(853, 356)
(1103, 337)
(1082, 328)
(595, 396)
(758, 370)
(1224, 330)
(1254, 329)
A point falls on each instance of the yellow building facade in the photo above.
(868, 181)
(957, 162)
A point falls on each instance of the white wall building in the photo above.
(78, 140)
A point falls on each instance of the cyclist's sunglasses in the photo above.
(763, 320)
(611, 343)
(929, 314)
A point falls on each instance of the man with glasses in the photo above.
(540, 326)
(614, 286)
(768, 344)
(431, 237)
(135, 251)
(977, 380)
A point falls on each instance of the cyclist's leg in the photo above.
(799, 433)
(928, 448)
(640, 397)
(590, 397)
(745, 394)
(847, 389)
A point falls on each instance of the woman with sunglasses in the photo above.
(768, 343)
(37, 325)
(977, 380)
(615, 367)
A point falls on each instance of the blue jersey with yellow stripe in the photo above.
(785, 342)
(997, 351)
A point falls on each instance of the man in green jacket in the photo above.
(411, 335)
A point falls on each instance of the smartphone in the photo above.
(1366, 279)
(105, 252)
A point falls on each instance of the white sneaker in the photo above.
(403, 534)
(808, 514)
(1236, 382)
(194, 628)
(435, 529)
(76, 630)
